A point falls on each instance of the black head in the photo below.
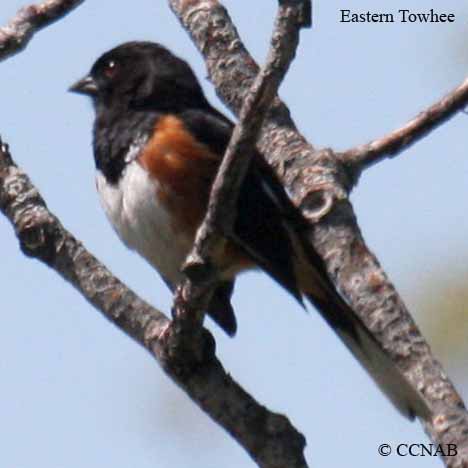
(142, 75)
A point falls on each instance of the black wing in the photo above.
(259, 227)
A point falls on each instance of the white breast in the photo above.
(142, 222)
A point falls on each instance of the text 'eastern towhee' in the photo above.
(157, 146)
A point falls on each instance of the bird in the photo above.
(157, 144)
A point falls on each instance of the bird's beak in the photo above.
(86, 85)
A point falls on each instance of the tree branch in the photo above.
(269, 438)
(19, 31)
(222, 204)
(319, 184)
(361, 157)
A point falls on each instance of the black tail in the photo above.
(368, 351)
(321, 292)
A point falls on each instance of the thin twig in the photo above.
(361, 157)
(318, 183)
(222, 204)
(269, 438)
(18, 32)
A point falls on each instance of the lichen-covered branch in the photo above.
(319, 183)
(392, 144)
(18, 32)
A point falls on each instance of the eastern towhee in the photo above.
(157, 146)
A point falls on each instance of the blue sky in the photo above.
(77, 392)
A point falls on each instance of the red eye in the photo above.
(111, 69)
